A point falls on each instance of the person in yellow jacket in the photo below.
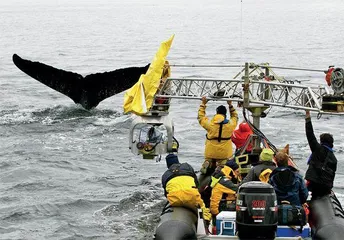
(224, 186)
(218, 144)
(181, 186)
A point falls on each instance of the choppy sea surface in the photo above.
(67, 173)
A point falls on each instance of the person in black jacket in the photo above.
(262, 170)
(322, 164)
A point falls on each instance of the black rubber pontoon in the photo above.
(177, 223)
(328, 217)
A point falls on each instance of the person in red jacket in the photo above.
(241, 135)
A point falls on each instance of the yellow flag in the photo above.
(139, 98)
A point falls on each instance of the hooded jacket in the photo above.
(254, 173)
(224, 188)
(180, 186)
(240, 136)
(320, 153)
(215, 148)
(289, 185)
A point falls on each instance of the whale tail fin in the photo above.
(88, 91)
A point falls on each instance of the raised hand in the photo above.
(204, 100)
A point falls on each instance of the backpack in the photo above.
(291, 215)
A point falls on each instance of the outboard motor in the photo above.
(256, 211)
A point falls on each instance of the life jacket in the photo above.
(179, 169)
(224, 188)
(221, 172)
(219, 137)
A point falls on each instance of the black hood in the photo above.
(284, 176)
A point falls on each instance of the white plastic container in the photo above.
(225, 223)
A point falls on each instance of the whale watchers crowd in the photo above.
(216, 187)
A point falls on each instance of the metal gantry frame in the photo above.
(259, 85)
(258, 89)
(260, 92)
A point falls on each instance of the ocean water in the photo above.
(67, 173)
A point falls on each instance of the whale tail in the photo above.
(88, 91)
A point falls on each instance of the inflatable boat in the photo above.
(256, 214)
(256, 217)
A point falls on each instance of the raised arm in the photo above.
(312, 141)
(234, 115)
(202, 118)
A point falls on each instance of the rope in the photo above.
(264, 140)
(259, 133)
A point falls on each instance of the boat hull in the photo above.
(177, 223)
(327, 217)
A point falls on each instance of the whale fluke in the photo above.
(88, 91)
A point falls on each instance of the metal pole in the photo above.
(205, 66)
(254, 65)
(256, 113)
(292, 68)
(266, 88)
(246, 86)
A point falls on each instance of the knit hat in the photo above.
(232, 164)
(221, 110)
(266, 154)
(245, 127)
(171, 159)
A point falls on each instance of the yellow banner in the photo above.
(139, 98)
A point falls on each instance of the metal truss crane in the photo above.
(259, 86)
(256, 87)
